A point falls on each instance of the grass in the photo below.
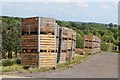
(11, 68)
(116, 51)
(67, 64)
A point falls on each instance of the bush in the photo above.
(104, 46)
(7, 62)
(18, 61)
(12, 68)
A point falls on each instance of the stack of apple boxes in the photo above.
(44, 43)
(38, 42)
(91, 44)
(66, 44)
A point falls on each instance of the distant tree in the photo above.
(115, 25)
(111, 25)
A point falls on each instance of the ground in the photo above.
(101, 65)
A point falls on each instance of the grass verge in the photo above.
(67, 64)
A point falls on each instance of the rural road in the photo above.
(102, 65)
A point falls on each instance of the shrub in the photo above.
(104, 46)
(18, 61)
(7, 62)
(12, 68)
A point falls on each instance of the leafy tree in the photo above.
(10, 35)
(111, 25)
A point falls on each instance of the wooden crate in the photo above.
(89, 37)
(64, 45)
(73, 54)
(87, 50)
(88, 44)
(62, 57)
(48, 59)
(73, 44)
(47, 25)
(29, 42)
(64, 32)
(30, 59)
(47, 42)
(30, 24)
(92, 44)
(69, 44)
(68, 55)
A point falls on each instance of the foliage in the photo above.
(7, 62)
(11, 68)
(18, 61)
(104, 46)
(109, 33)
(10, 35)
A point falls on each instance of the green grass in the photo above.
(116, 51)
(10, 68)
(67, 64)
(77, 59)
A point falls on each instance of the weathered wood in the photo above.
(68, 55)
(30, 24)
(30, 59)
(69, 44)
(48, 59)
(62, 57)
(91, 44)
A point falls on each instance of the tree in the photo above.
(111, 25)
(115, 25)
(10, 35)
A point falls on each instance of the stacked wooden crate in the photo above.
(38, 42)
(91, 44)
(71, 44)
(44, 42)
(48, 55)
(67, 43)
(29, 41)
(63, 33)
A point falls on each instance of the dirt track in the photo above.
(102, 65)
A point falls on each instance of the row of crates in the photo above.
(44, 43)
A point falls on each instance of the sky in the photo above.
(99, 11)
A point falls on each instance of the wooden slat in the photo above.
(62, 57)
(47, 59)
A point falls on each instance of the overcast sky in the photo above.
(83, 11)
